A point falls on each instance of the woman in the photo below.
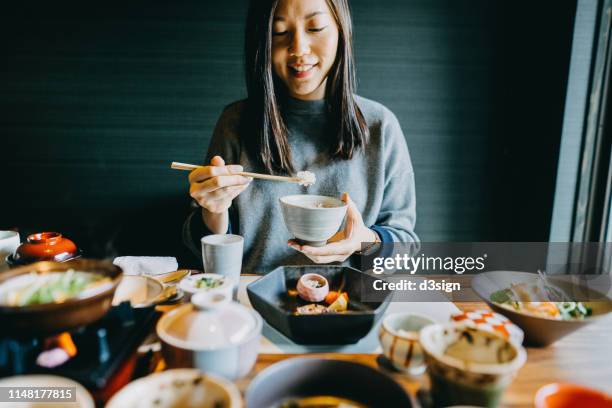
(301, 114)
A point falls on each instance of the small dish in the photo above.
(206, 282)
(185, 388)
(141, 291)
(563, 395)
(399, 338)
(312, 292)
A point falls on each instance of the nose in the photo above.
(299, 44)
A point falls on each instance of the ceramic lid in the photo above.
(211, 321)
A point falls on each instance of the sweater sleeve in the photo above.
(397, 217)
(225, 142)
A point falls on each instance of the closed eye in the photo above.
(316, 30)
(279, 33)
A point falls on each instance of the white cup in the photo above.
(222, 254)
(9, 241)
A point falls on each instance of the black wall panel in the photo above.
(97, 99)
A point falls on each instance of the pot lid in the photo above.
(211, 321)
(45, 246)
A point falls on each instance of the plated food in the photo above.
(34, 295)
(36, 288)
(178, 388)
(342, 317)
(524, 297)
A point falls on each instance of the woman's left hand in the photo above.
(344, 243)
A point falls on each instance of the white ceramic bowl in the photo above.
(399, 338)
(212, 334)
(179, 388)
(189, 284)
(472, 379)
(312, 219)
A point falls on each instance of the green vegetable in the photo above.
(573, 310)
(56, 287)
(209, 283)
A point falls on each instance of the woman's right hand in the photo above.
(214, 187)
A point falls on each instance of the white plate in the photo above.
(83, 398)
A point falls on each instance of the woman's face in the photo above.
(304, 45)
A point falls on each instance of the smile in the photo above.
(302, 71)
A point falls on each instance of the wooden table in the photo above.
(584, 357)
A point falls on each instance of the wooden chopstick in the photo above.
(190, 167)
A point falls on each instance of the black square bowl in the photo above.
(274, 296)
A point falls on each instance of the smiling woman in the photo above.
(304, 47)
(301, 114)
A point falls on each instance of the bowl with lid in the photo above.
(213, 334)
(44, 246)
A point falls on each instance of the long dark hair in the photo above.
(263, 128)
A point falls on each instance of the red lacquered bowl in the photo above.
(571, 395)
(44, 246)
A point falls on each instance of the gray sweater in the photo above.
(379, 179)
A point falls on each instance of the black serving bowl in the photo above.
(307, 377)
(274, 296)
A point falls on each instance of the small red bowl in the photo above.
(558, 395)
(45, 246)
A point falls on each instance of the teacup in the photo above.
(312, 219)
(9, 241)
(469, 365)
(399, 338)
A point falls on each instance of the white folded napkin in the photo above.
(146, 265)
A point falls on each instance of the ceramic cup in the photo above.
(399, 338)
(469, 365)
(312, 219)
(222, 255)
(9, 241)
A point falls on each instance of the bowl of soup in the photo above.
(312, 219)
(469, 365)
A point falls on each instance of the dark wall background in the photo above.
(97, 99)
